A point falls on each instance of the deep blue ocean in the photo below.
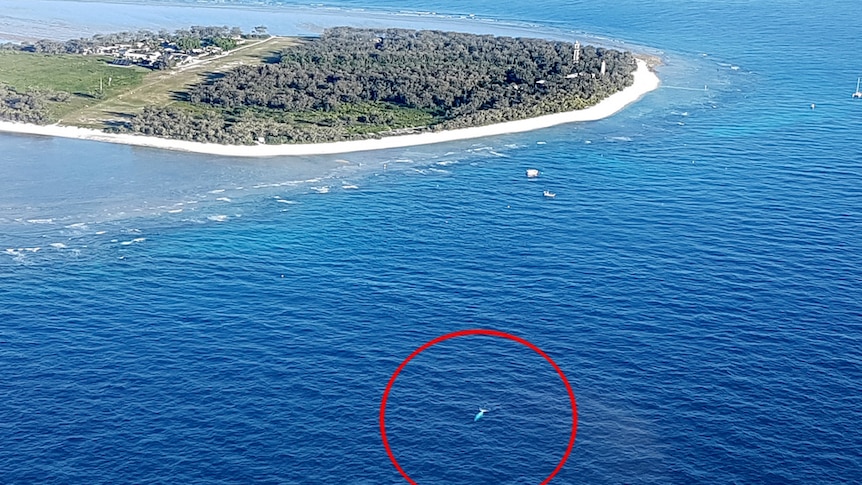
(180, 318)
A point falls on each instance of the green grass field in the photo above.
(74, 74)
(77, 75)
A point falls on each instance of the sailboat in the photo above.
(858, 94)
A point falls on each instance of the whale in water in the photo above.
(480, 414)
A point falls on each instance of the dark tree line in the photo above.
(451, 75)
(226, 128)
(28, 107)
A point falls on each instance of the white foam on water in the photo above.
(224, 199)
(218, 218)
(349, 186)
(541, 143)
(17, 255)
(282, 184)
(447, 162)
(99, 233)
(133, 241)
(77, 225)
(40, 221)
(285, 201)
(321, 190)
(58, 245)
(216, 191)
(175, 211)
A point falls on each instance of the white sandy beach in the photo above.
(644, 81)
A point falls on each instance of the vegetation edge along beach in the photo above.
(216, 90)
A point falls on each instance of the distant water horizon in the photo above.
(173, 317)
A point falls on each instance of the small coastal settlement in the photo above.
(220, 85)
(153, 50)
(164, 56)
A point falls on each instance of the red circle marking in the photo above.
(492, 333)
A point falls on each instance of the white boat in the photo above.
(532, 173)
(549, 194)
(858, 94)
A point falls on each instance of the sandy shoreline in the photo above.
(644, 82)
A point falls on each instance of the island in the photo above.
(218, 90)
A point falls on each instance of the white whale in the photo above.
(480, 414)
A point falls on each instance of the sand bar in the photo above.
(644, 81)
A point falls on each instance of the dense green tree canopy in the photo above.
(450, 74)
(354, 83)
(29, 107)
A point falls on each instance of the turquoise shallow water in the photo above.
(697, 277)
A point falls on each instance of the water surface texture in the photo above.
(179, 318)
